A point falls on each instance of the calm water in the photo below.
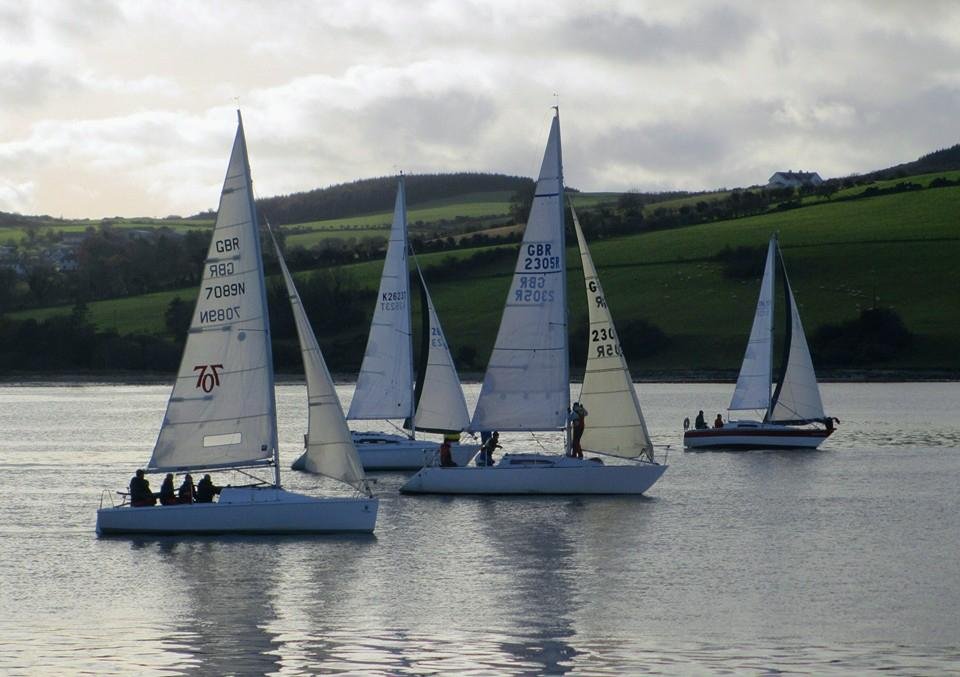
(844, 560)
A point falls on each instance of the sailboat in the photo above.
(385, 386)
(527, 386)
(222, 412)
(793, 411)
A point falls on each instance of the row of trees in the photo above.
(375, 195)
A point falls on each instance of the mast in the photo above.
(406, 277)
(774, 247)
(263, 295)
(562, 220)
(787, 334)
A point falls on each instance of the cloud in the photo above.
(128, 107)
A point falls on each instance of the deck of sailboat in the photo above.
(538, 474)
(246, 510)
(750, 435)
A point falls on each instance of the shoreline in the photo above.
(665, 376)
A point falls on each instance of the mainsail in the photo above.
(385, 383)
(753, 383)
(329, 449)
(797, 396)
(441, 406)
(526, 386)
(222, 412)
(615, 423)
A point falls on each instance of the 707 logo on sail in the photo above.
(209, 376)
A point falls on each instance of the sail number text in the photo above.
(436, 338)
(208, 376)
(530, 289)
(393, 300)
(222, 291)
(227, 244)
(223, 269)
(538, 257)
(227, 314)
(604, 342)
(595, 289)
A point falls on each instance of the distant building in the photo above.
(794, 179)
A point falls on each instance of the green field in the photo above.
(901, 248)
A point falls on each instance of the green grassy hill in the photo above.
(902, 249)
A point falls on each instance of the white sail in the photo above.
(385, 383)
(614, 424)
(526, 386)
(330, 450)
(798, 396)
(753, 383)
(442, 405)
(222, 412)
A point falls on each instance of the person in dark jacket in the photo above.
(140, 494)
(187, 491)
(701, 422)
(167, 494)
(486, 451)
(206, 490)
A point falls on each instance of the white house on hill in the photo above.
(794, 179)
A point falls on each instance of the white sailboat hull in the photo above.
(247, 510)
(386, 451)
(536, 474)
(744, 435)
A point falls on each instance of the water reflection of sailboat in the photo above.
(229, 587)
(542, 590)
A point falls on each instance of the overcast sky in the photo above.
(127, 108)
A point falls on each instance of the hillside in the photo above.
(897, 248)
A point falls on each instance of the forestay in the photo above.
(615, 423)
(797, 397)
(330, 450)
(526, 386)
(385, 383)
(442, 405)
(221, 412)
(753, 383)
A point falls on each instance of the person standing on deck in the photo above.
(578, 415)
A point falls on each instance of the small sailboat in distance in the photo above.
(222, 411)
(793, 416)
(527, 385)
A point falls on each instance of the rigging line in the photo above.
(537, 440)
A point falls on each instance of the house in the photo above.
(793, 179)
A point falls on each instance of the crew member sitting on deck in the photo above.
(140, 494)
(167, 494)
(718, 421)
(701, 422)
(206, 490)
(187, 491)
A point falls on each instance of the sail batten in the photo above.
(526, 385)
